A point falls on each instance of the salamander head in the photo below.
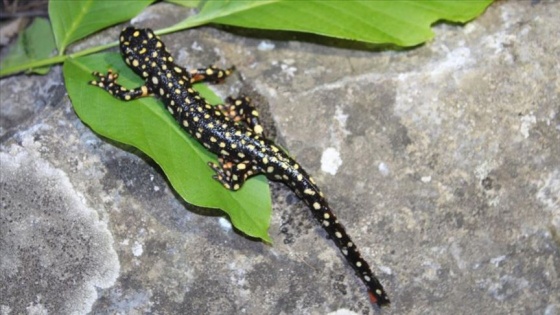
(137, 45)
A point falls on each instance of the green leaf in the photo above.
(146, 125)
(404, 22)
(35, 43)
(186, 3)
(74, 20)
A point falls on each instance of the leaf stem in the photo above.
(53, 60)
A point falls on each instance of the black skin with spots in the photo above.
(232, 131)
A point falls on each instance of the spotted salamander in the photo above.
(232, 131)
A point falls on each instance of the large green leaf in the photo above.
(186, 3)
(146, 125)
(402, 22)
(73, 20)
(35, 43)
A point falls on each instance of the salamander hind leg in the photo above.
(241, 110)
(232, 175)
(108, 82)
(211, 74)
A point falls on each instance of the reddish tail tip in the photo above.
(377, 299)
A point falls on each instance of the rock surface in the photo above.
(442, 161)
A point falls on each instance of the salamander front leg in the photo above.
(232, 175)
(109, 83)
(211, 74)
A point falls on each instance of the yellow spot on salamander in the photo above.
(258, 129)
(309, 192)
(144, 90)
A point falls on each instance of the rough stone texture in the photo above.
(55, 250)
(446, 163)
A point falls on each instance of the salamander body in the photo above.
(231, 131)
